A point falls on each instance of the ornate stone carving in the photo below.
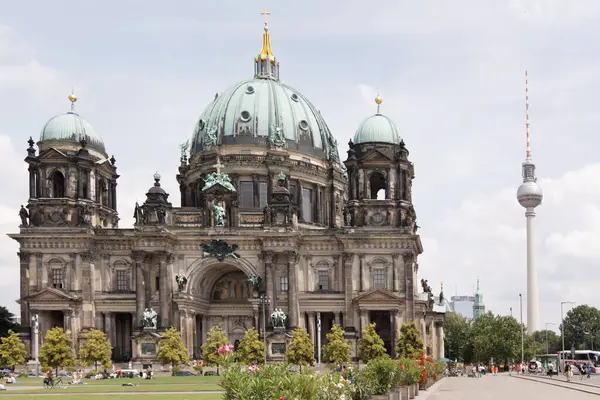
(348, 258)
(268, 257)
(293, 257)
(24, 257)
(219, 249)
(87, 256)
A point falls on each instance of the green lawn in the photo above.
(163, 380)
(141, 386)
(199, 396)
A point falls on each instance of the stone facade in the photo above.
(342, 257)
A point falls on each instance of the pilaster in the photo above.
(268, 257)
(311, 327)
(292, 288)
(24, 261)
(88, 289)
(348, 261)
(140, 298)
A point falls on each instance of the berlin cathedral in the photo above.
(271, 222)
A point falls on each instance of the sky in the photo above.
(451, 75)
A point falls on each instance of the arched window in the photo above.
(58, 184)
(378, 185)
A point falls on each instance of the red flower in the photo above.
(402, 367)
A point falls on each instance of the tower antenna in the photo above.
(527, 120)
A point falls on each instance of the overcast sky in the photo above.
(451, 74)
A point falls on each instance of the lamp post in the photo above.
(562, 322)
(319, 338)
(522, 330)
(547, 344)
(591, 333)
(36, 331)
(264, 300)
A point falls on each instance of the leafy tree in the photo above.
(12, 350)
(581, 326)
(370, 345)
(457, 337)
(171, 349)
(409, 343)
(7, 323)
(497, 337)
(554, 343)
(251, 350)
(95, 349)
(337, 350)
(301, 350)
(57, 351)
(215, 338)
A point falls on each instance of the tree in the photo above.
(171, 349)
(57, 351)
(337, 350)
(301, 350)
(95, 349)
(457, 337)
(409, 343)
(251, 350)
(12, 350)
(496, 337)
(552, 346)
(581, 327)
(7, 322)
(370, 345)
(215, 338)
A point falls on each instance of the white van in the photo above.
(534, 367)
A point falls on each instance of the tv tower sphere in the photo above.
(530, 194)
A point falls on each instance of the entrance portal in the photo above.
(383, 328)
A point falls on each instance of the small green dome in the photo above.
(71, 127)
(377, 129)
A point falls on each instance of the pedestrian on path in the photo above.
(568, 372)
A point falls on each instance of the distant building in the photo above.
(462, 305)
(478, 306)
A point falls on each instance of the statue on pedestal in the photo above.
(150, 319)
(278, 318)
(219, 212)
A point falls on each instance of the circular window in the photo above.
(250, 89)
(295, 97)
(303, 125)
(245, 116)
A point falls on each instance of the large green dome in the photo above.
(70, 127)
(264, 112)
(377, 129)
(250, 111)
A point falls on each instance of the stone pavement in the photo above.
(499, 387)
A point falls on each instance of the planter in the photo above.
(411, 392)
(380, 397)
(404, 393)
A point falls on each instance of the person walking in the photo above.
(588, 369)
(568, 372)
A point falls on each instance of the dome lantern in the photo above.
(266, 65)
(377, 128)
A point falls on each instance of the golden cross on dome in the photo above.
(266, 14)
(218, 165)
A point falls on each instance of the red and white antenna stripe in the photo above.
(527, 127)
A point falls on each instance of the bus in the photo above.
(580, 357)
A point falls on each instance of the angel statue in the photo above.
(181, 282)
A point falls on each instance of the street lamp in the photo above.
(264, 300)
(562, 326)
(36, 331)
(548, 345)
(522, 330)
(591, 333)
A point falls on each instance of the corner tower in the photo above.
(379, 176)
(530, 196)
(478, 305)
(72, 182)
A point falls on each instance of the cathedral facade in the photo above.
(274, 231)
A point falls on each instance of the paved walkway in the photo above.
(500, 387)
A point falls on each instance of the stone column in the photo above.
(24, 259)
(189, 332)
(270, 279)
(364, 318)
(164, 295)
(338, 266)
(88, 289)
(361, 184)
(311, 327)
(395, 265)
(347, 261)
(336, 317)
(108, 326)
(140, 288)
(364, 284)
(441, 344)
(183, 327)
(409, 260)
(205, 328)
(368, 185)
(292, 288)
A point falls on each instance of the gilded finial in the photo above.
(266, 14)
(378, 101)
(72, 99)
(265, 52)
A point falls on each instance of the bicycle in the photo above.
(55, 383)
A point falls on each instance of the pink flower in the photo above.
(253, 368)
(228, 348)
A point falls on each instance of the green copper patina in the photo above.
(218, 178)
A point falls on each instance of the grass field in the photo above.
(183, 396)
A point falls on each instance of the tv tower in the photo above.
(530, 196)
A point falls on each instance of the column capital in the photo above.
(87, 256)
(361, 256)
(164, 256)
(348, 258)
(409, 258)
(268, 256)
(395, 256)
(293, 257)
(24, 257)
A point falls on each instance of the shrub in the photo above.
(370, 345)
(382, 372)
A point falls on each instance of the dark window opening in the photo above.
(58, 185)
(57, 278)
(122, 280)
(263, 193)
(378, 186)
(246, 194)
(323, 280)
(307, 205)
(157, 282)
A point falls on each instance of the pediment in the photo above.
(51, 295)
(217, 188)
(376, 155)
(53, 154)
(376, 295)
